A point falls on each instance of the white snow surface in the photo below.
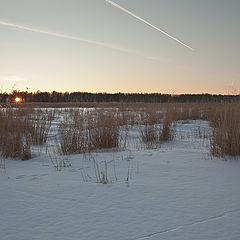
(174, 192)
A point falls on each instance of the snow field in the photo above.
(176, 191)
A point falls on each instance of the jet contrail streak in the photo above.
(149, 24)
(103, 44)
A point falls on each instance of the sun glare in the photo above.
(17, 100)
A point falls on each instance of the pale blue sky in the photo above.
(151, 62)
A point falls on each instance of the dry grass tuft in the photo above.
(14, 138)
(104, 130)
(158, 127)
(91, 130)
(151, 135)
(74, 137)
(40, 125)
(106, 127)
(20, 128)
(225, 139)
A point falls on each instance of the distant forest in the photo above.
(39, 96)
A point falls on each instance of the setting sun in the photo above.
(17, 100)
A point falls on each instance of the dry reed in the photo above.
(14, 139)
(225, 139)
(106, 126)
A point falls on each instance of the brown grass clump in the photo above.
(90, 130)
(14, 139)
(74, 137)
(104, 130)
(20, 128)
(151, 135)
(152, 116)
(106, 126)
(168, 131)
(158, 127)
(39, 126)
(225, 139)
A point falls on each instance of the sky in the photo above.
(146, 46)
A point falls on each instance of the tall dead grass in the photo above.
(91, 130)
(39, 126)
(86, 130)
(14, 137)
(158, 127)
(73, 134)
(225, 140)
(104, 130)
(22, 127)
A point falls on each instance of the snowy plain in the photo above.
(173, 192)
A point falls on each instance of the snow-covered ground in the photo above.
(174, 192)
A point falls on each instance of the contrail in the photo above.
(149, 24)
(55, 34)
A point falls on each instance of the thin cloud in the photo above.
(14, 79)
(60, 35)
(149, 24)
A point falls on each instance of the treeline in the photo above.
(115, 97)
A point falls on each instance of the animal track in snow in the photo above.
(213, 218)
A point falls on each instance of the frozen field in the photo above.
(174, 192)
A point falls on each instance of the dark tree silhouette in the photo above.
(58, 97)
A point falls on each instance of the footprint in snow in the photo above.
(148, 154)
(35, 178)
(20, 176)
